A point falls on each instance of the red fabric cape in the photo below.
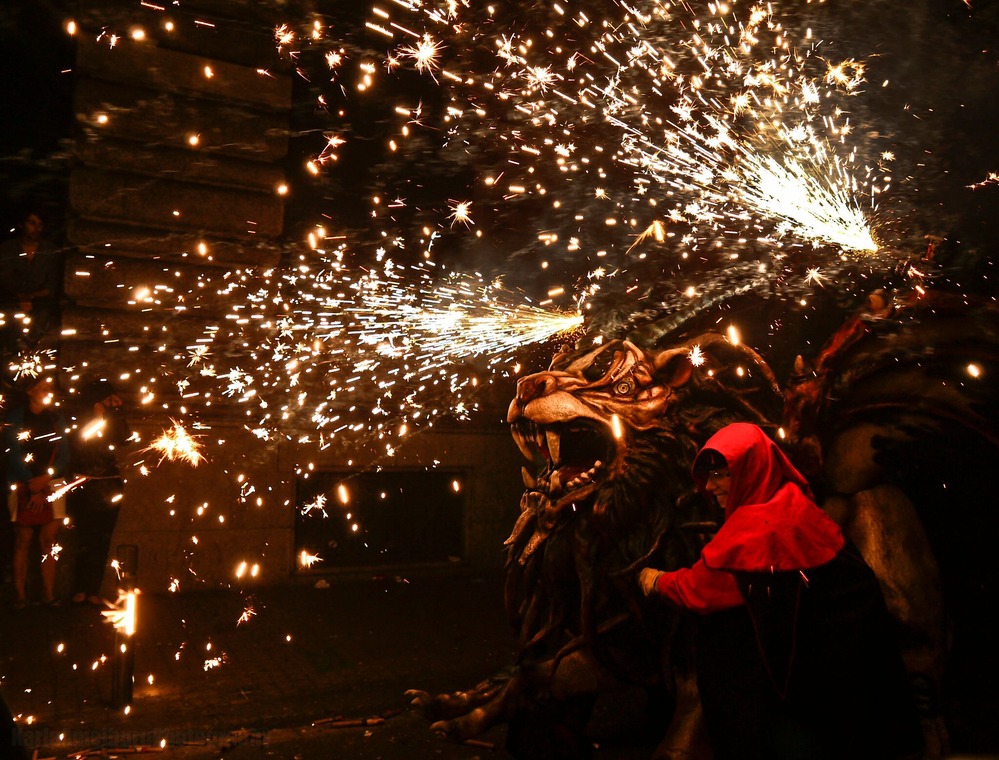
(771, 523)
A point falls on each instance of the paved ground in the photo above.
(275, 685)
(315, 673)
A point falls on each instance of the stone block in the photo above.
(130, 284)
(143, 64)
(109, 240)
(154, 120)
(174, 206)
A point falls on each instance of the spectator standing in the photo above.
(30, 283)
(93, 506)
(37, 454)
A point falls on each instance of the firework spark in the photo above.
(661, 130)
(402, 338)
(678, 135)
(308, 560)
(176, 444)
(992, 178)
(123, 613)
(66, 488)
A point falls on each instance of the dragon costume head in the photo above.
(609, 433)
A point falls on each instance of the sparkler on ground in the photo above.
(122, 615)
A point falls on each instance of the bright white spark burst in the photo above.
(722, 127)
(31, 363)
(248, 613)
(215, 662)
(424, 54)
(316, 505)
(176, 444)
(122, 614)
(460, 212)
(308, 560)
(713, 102)
(398, 339)
(992, 178)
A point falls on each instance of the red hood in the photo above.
(771, 519)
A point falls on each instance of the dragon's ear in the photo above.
(673, 367)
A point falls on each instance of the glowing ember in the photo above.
(308, 560)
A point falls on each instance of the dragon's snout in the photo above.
(535, 386)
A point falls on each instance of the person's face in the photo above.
(717, 485)
(33, 227)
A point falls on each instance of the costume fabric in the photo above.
(796, 652)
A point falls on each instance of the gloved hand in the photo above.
(647, 578)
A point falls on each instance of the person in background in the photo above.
(796, 653)
(37, 453)
(93, 506)
(30, 283)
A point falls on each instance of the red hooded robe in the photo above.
(772, 523)
(799, 658)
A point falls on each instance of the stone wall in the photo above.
(176, 174)
(178, 161)
(173, 513)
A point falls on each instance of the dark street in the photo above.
(276, 685)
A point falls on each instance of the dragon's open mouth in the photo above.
(571, 457)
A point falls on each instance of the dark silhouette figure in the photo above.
(796, 654)
(30, 283)
(93, 505)
(37, 455)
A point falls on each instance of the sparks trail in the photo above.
(713, 112)
(706, 123)
(810, 196)
(361, 351)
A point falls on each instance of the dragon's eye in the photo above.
(624, 387)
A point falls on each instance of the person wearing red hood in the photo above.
(796, 654)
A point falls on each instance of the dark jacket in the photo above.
(797, 656)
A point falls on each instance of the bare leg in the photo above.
(46, 537)
(22, 541)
